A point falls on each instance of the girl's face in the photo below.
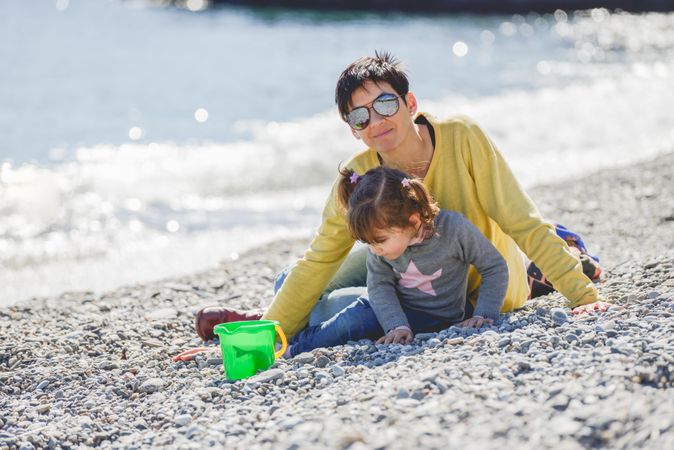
(392, 242)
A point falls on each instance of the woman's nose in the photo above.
(375, 118)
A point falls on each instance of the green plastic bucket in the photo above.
(248, 346)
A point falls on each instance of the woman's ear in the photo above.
(355, 133)
(411, 102)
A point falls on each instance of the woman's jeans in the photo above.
(343, 313)
(348, 284)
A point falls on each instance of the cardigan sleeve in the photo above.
(505, 201)
(308, 278)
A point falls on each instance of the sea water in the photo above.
(140, 142)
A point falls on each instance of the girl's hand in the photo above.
(396, 336)
(475, 322)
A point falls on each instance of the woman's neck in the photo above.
(414, 154)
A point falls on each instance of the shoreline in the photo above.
(95, 369)
(579, 216)
(450, 6)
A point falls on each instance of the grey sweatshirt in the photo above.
(432, 276)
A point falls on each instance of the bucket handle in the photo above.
(284, 342)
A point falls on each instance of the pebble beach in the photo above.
(95, 370)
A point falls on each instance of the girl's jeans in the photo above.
(343, 312)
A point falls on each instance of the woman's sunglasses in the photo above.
(385, 105)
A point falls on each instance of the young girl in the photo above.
(417, 265)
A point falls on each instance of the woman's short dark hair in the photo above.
(382, 67)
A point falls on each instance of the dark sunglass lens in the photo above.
(359, 118)
(386, 105)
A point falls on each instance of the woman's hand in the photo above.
(475, 322)
(397, 336)
(592, 307)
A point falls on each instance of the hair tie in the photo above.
(354, 178)
(405, 182)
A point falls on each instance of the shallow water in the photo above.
(141, 142)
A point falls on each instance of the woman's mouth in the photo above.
(383, 133)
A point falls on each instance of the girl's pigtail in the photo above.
(347, 184)
(427, 207)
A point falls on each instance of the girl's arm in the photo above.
(478, 251)
(381, 290)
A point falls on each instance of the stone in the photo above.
(337, 370)
(418, 394)
(322, 361)
(541, 312)
(75, 334)
(570, 337)
(267, 376)
(152, 342)
(431, 375)
(407, 402)
(152, 385)
(559, 316)
(424, 336)
(214, 362)
(564, 426)
(179, 287)
(402, 393)
(489, 335)
(193, 430)
(559, 402)
(304, 358)
(182, 420)
(44, 408)
(108, 365)
(162, 314)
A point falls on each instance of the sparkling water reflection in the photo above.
(158, 141)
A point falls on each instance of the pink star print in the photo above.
(413, 278)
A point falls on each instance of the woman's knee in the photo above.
(332, 304)
(353, 271)
(280, 278)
